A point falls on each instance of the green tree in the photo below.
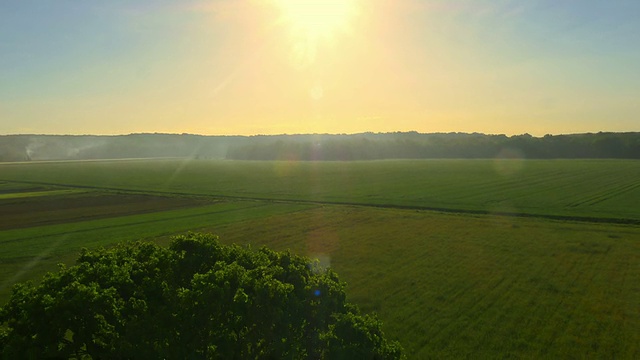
(195, 299)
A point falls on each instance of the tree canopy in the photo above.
(195, 299)
(363, 146)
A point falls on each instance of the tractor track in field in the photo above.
(576, 218)
(605, 194)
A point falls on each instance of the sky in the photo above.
(245, 67)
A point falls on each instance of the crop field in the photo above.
(462, 286)
(459, 258)
(28, 252)
(598, 189)
(29, 209)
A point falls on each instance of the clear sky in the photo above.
(319, 66)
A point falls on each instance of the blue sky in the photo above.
(252, 66)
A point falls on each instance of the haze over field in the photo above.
(310, 66)
(363, 146)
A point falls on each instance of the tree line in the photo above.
(363, 146)
(442, 146)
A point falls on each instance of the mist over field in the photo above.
(362, 146)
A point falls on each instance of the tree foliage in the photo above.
(363, 146)
(195, 299)
(412, 145)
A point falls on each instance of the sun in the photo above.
(317, 19)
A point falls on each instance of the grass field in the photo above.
(460, 282)
(461, 286)
(29, 252)
(27, 194)
(575, 188)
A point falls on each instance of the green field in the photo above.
(37, 193)
(28, 252)
(460, 286)
(575, 188)
(425, 244)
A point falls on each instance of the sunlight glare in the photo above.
(317, 18)
(311, 22)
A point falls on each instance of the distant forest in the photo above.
(317, 147)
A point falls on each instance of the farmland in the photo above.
(460, 258)
(459, 286)
(574, 188)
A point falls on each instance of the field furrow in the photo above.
(609, 191)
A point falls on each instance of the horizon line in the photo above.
(327, 134)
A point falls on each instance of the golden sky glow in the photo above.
(323, 66)
(317, 18)
(313, 21)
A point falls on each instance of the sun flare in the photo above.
(317, 18)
